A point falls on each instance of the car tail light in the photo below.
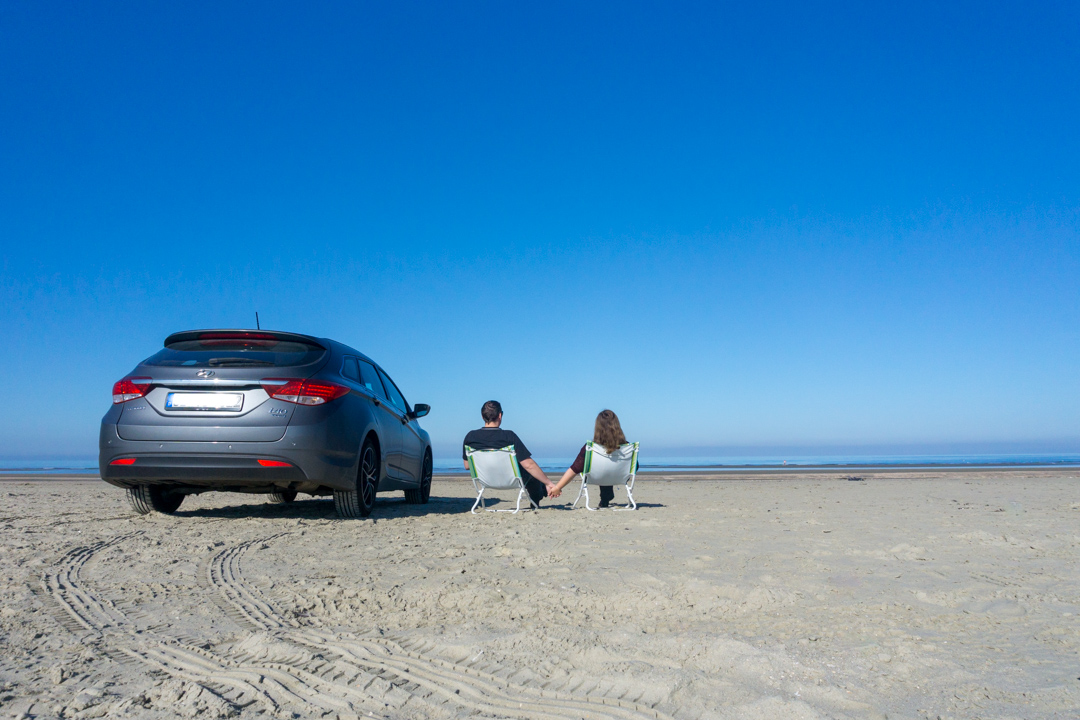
(123, 461)
(303, 392)
(130, 388)
(274, 463)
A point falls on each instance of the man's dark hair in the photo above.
(491, 411)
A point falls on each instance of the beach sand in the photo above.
(906, 595)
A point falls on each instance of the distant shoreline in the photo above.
(721, 471)
(690, 464)
(698, 473)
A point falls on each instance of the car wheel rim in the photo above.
(367, 488)
(425, 486)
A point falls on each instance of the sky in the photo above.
(746, 228)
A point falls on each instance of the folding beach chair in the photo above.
(602, 468)
(495, 470)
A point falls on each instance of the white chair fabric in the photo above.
(495, 470)
(604, 468)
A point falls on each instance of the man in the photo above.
(493, 437)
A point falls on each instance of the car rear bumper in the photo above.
(201, 470)
(229, 466)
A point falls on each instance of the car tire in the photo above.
(360, 501)
(281, 496)
(146, 499)
(422, 494)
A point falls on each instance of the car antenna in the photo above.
(257, 320)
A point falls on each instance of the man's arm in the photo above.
(534, 470)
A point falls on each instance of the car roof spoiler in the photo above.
(224, 333)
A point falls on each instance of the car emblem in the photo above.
(205, 373)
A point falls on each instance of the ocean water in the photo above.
(740, 462)
(726, 463)
(49, 466)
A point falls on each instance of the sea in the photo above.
(734, 463)
(718, 464)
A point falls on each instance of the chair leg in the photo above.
(517, 508)
(586, 491)
(580, 490)
(481, 502)
(630, 497)
(532, 504)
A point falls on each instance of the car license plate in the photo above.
(204, 401)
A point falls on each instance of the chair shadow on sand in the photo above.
(617, 505)
(547, 505)
(322, 508)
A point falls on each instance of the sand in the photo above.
(908, 595)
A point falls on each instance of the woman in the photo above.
(608, 434)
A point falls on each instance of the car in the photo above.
(267, 412)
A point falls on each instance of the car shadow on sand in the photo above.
(322, 508)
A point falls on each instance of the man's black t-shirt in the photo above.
(493, 439)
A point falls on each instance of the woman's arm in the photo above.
(563, 482)
(576, 467)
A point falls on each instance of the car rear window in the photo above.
(223, 352)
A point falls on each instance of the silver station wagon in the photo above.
(262, 412)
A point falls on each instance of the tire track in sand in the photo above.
(270, 684)
(430, 679)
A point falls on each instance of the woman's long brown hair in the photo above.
(608, 431)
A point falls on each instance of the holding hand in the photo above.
(556, 490)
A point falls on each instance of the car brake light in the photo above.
(123, 461)
(130, 388)
(236, 336)
(303, 392)
(238, 340)
(274, 463)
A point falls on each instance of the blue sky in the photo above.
(742, 228)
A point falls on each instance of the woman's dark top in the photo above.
(579, 464)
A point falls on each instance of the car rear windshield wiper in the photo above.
(217, 362)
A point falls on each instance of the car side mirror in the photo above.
(419, 410)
